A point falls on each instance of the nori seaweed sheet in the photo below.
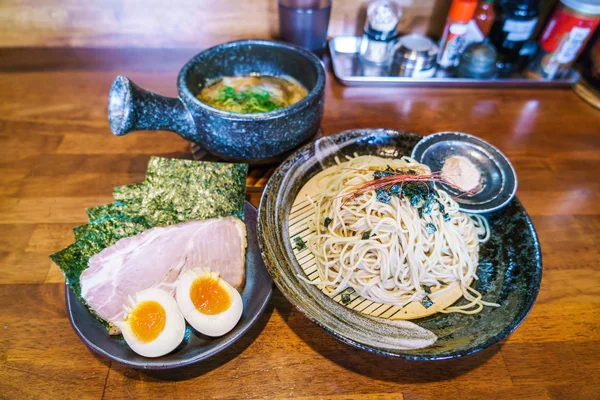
(178, 190)
(174, 191)
(181, 190)
(99, 213)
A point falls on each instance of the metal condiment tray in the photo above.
(350, 71)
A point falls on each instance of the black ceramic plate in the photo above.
(510, 268)
(195, 347)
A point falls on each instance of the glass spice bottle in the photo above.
(564, 37)
(516, 20)
(380, 31)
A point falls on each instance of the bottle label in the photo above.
(570, 47)
(519, 31)
(562, 24)
(473, 34)
(458, 29)
(563, 38)
(454, 45)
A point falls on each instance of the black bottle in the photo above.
(515, 22)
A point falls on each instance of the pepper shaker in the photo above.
(380, 31)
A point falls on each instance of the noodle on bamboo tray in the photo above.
(375, 235)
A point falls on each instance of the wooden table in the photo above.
(57, 157)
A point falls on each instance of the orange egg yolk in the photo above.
(147, 320)
(208, 296)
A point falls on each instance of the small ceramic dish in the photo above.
(195, 347)
(498, 184)
(510, 265)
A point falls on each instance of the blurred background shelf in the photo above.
(351, 71)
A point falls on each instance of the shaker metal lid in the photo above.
(591, 7)
(416, 48)
(382, 20)
(417, 42)
(482, 54)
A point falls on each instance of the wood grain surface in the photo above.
(179, 23)
(187, 23)
(57, 156)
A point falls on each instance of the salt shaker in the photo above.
(414, 56)
(380, 31)
(478, 61)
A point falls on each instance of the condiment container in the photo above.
(564, 37)
(484, 16)
(414, 56)
(479, 27)
(380, 31)
(514, 26)
(453, 38)
(478, 61)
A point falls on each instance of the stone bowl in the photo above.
(252, 138)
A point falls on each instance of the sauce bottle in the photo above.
(564, 37)
(479, 27)
(484, 16)
(453, 38)
(514, 26)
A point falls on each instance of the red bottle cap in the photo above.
(462, 10)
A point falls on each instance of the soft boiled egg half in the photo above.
(152, 325)
(208, 303)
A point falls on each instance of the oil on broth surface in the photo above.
(252, 94)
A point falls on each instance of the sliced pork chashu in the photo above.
(156, 258)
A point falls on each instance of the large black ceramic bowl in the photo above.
(252, 138)
(510, 267)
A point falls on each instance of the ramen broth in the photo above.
(252, 94)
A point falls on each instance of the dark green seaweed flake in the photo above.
(420, 194)
(426, 301)
(327, 222)
(430, 228)
(428, 207)
(366, 235)
(346, 299)
(383, 196)
(300, 244)
(415, 200)
(441, 207)
(395, 190)
(427, 289)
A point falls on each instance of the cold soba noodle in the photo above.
(389, 250)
